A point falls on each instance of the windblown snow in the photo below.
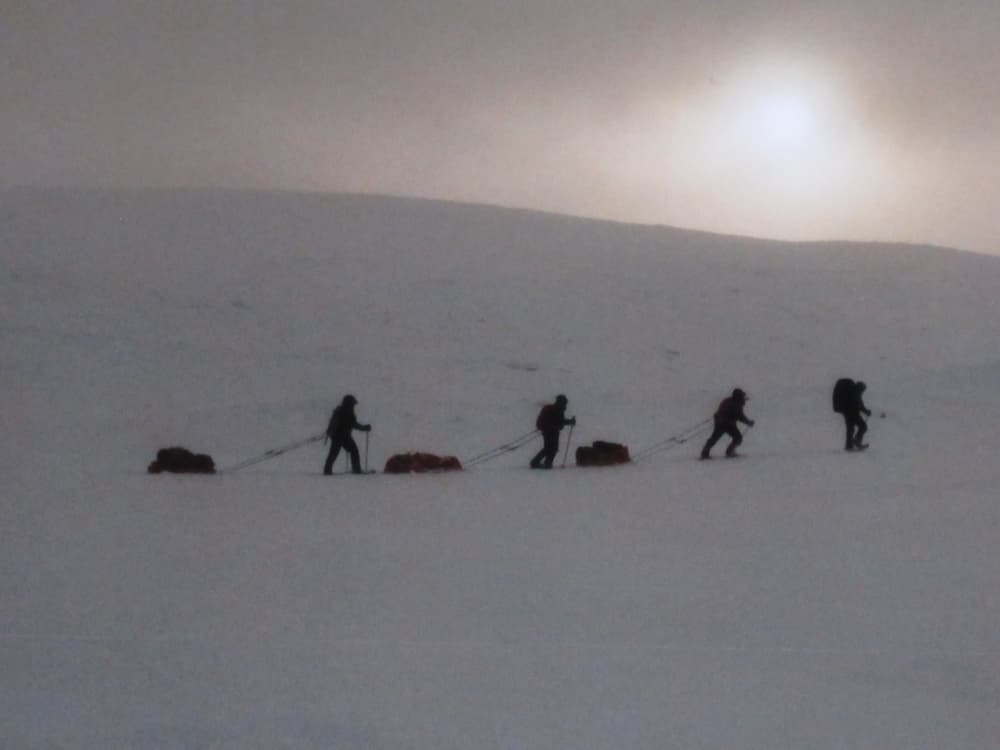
(799, 597)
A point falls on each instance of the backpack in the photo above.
(843, 395)
(548, 419)
(331, 428)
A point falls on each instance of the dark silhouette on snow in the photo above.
(848, 400)
(178, 460)
(551, 420)
(602, 453)
(338, 432)
(419, 463)
(729, 413)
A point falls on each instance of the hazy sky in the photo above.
(873, 119)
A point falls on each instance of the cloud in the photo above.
(447, 97)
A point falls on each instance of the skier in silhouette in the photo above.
(730, 412)
(551, 419)
(338, 432)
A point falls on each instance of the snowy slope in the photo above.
(796, 598)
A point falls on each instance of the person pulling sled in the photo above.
(342, 422)
(551, 420)
(726, 417)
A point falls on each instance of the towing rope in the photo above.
(507, 447)
(519, 442)
(274, 453)
(673, 441)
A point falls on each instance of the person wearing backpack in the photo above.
(848, 400)
(730, 412)
(551, 419)
(342, 422)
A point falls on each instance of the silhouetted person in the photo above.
(551, 420)
(730, 412)
(855, 425)
(342, 422)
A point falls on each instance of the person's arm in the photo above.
(356, 425)
(742, 417)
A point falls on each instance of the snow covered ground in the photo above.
(799, 597)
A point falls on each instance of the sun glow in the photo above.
(778, 122)
(784, 120)
(771, 149)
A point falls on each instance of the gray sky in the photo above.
(822, 119)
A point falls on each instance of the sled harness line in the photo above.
(519, 442)
(672, 442)
(273, 453)
(512, 445)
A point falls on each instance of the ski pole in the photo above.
(367, 435)
(569, 439)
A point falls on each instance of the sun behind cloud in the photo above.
(774, 149)
(786, 122)
(780, 126)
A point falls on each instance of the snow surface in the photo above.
(799, 597)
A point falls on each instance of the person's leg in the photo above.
(551, 448)
(734, 432)
(331, 457)
(536, 462)
(352, 450)
(860, 433)
(717, 433)
(849, 423)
